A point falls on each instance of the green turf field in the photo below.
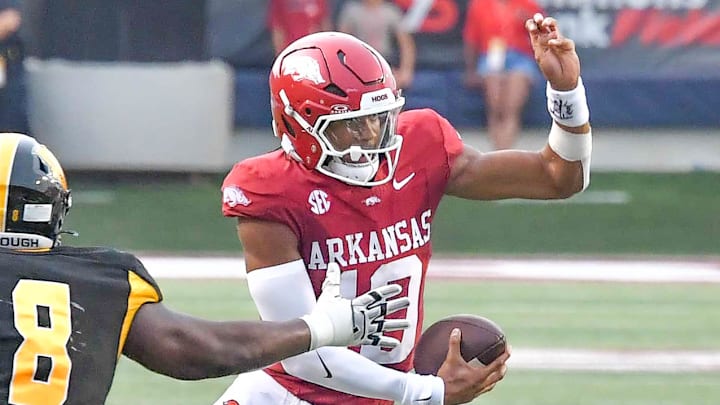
(660, 214)
(541, 314)
(676, 214)
(134, 385)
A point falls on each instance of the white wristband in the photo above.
(423, 390)
(572, 147)
(568, 108)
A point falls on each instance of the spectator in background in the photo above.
(499, 60)
(379, 23)
(13, 116)
(289, 20)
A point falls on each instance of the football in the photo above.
(482, 339)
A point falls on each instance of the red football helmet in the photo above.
(335, 106)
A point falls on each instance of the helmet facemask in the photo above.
(325, 88)
(354, 143)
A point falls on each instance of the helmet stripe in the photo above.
(8, 146)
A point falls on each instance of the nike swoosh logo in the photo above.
(424, 399)
(327, 370)
(397, 185)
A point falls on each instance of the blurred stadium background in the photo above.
(148, 104)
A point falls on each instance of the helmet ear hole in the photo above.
(43, 167)
(288, 127)
(308, 111)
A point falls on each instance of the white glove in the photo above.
(336, 321)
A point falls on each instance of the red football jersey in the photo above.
(378, 235)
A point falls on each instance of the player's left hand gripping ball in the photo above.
(340, 322)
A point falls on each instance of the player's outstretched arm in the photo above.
(570, 136)
(186, 347)
(562, 167)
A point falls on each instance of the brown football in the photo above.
(482, 339)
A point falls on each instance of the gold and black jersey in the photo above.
(64, 317)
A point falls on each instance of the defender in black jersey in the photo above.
(68, 313)
(68, 316)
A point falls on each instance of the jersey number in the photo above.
(407, 268)
(41, 366)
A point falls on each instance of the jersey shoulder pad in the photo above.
(424, 123)
(132, 263)
(425, 129)
(118, 259)
(259, 174)
(261, 186)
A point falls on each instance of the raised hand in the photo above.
(336, 321)
(465, 381)
(554, 54)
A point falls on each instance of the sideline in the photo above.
(645, 271)
(655, 361)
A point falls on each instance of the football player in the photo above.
(358, 183)
(68, 313)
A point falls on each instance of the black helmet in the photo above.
(34, 196)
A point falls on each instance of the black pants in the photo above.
(13, 100)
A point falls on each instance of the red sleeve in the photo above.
(240, 194)
(431, 139)
(254, 189)
(452, 142)
(250, 191)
